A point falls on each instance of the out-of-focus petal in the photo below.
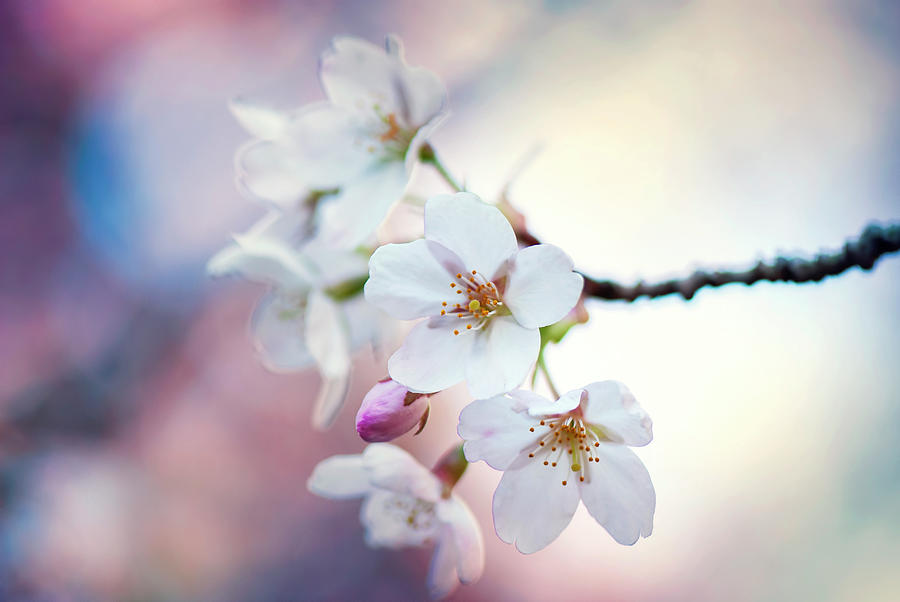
(501, 357)
(385, 515)
(340, 477)
(408, 280)
(328, 341)
(442, 576)
(277, 327)
(259, 119)
(432, 358)
(612, 407)
(477, 232)
(351, 217)
(466, 535)
(618, 493)
(532, 506)
(542, 287)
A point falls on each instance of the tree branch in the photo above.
(874, 242)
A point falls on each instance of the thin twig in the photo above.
(864, 252)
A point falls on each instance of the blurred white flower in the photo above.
(485, 298)
(303, 319)
(406, 505)
(359, 147)
(555, 453)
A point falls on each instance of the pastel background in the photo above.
(146, 455)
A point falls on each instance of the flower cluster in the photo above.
(487, 307)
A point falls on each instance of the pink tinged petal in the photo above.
(467, 537)
(340, 477)
(328, 341)
(563, 405)
(432, 358)
(618, 493)
(351, 217)
(612, 407)
(394, 469)
(495, 431)
(409, 280)
(532, 506)
(501, 357)
(277, 327)
(542, 287)
(477, 232)
(388, 411)
(442, 575)
(384, 514)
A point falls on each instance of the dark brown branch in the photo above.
(874, 242)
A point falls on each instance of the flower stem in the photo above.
(542, 364)
(427, 155)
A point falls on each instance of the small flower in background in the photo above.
(555, 453)
(389, 410)
(349, 159)
(407, 505)
(485, 298)
(311, 314)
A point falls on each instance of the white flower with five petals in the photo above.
(485, 299)
(300, 321)
(358, 148)
(407, 505)
(557, 453)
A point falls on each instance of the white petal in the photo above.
(542, 287)
(278, 328)
(327, 336)
(396, 470)
(408, 280)
(421, 137)
(259, 119)
(263, 259)
(442, 576)
(477, 232)
(568, 402)
(329, 401)
(319, 150)
(611, 406)
(358, 75)
(532, 506)
(494, 431)
(618, 493)
(340, 477)
(351, 217)
(432, 358)
(501, 357)
(385, 516)
(467, 537)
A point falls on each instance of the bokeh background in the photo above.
(146, 455)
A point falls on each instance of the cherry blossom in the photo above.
(407, 505)
(389, 410)
(299, 322)
(485, 299)
(554, 454)
(348, 159)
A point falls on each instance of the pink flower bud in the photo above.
(389, 410)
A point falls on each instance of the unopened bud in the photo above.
(450, 468)
(389, 410)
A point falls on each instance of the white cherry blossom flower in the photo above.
(557, 453)
(406, 505)
(359, 147)
(484, 298)
(298, 322)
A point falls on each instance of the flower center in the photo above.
(414, 513)
(568, 443)
(480, 300)
(390, 137)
